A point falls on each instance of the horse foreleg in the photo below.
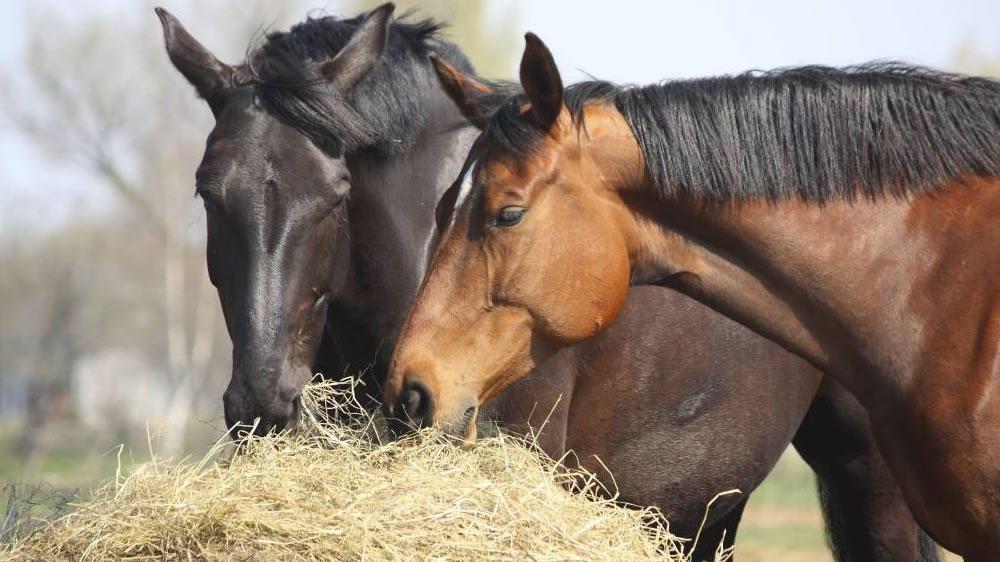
(866, 515)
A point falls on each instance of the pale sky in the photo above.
(629, 41)
(645, 41)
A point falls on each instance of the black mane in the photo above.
(814, 133)
(382, 112)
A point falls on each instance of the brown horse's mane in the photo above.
(813, 133)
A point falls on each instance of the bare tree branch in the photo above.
(130, 193)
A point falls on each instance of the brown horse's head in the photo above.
(275, 195)
(533, 255)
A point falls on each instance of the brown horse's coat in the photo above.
(897, 299)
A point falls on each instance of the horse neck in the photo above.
(392, 225)
(855, 288)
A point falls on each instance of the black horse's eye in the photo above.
(341, 189)
(338, 204)
(211, 207)
(509, 216)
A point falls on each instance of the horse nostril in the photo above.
(411, 402)
(416, 403)
(463, 424)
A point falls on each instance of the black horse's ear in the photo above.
(541, 82)
(360, 55)
(210, 77)
(470, 95)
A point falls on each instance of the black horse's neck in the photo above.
(392, 230)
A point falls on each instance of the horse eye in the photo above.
(509, 216)
(337, 205)
(211, 207)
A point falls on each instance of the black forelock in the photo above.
(382, 112)
(815, 133)
(513, 133)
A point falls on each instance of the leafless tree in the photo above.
(971, 59)
(100, 95)
(97, 94)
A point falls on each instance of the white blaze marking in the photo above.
(466, 187)
(463, 192)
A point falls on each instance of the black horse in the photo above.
(332, 146)
(330, 149)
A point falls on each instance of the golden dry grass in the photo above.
(333, 493)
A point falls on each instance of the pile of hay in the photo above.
(332, 493)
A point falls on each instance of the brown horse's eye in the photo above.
(509, 216)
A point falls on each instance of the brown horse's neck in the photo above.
(857, 288)
(898, 300)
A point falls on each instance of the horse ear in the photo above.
(541, 82)
(470, 95)
(209, 76)
(360, 55)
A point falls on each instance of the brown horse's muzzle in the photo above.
(415, 409)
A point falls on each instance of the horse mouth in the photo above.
(240, 432)
(291, 427)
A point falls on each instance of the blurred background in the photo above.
(111, 339)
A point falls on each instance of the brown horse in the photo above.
(853, 216)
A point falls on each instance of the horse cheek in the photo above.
(580, 310)
(609, 302)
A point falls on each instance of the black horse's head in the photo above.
(274, 182)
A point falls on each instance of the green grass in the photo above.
(782, 520)
(69, 455)
(69, 462)
(807, 538)
(791, 484)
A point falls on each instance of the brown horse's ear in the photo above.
(360, 55)
(541, 82)
(209, 76)
(468, 94)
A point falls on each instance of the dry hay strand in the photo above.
(331, 492)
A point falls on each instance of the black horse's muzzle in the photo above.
(246, 414)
